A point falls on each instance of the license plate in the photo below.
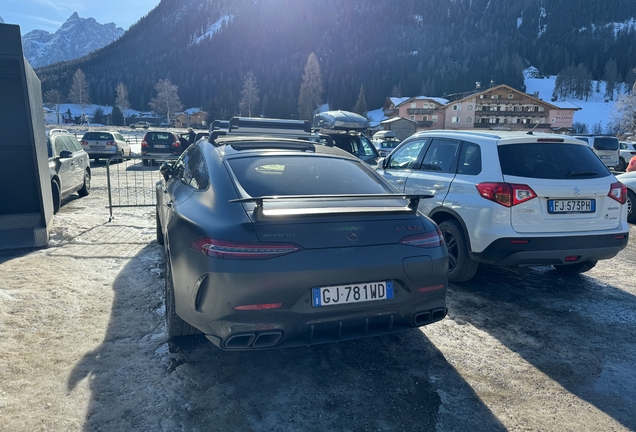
(160, 146)
(572, 206)
(97, 147)
(352, 293)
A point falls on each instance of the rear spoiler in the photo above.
(259, 211)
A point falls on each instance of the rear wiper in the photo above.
(581, 173)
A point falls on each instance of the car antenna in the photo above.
(535, 126)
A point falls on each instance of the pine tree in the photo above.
(310, 89)
(361, 104)
(610, 76)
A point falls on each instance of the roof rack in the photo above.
(244, 126)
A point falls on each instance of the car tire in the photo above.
(86, 187)
(460, 267)
(631, 202)
(580, 267)
(622, 165)
(57, 198)
(160, 238)
(176, 327)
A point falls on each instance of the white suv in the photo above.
(513, 198)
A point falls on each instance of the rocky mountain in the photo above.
(1, 20)
(391, 48)
(75, 38)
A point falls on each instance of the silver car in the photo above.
(69, 167)
(105, 144)
(274, 242)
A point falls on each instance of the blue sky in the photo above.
(49, 15)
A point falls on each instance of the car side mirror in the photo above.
(65, 154)
(166, 170)
(382, 163)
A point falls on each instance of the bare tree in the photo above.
(122, 99)
(310, 89)
(624, 113)
(78, 93)
(54, 97)
(249, 94)
(167, 101)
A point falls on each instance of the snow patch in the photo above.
(215, 27)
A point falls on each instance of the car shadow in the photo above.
(575, 329)
(395, 382)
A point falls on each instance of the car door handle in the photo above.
(169, 204)
(439, 186)
(399, 181)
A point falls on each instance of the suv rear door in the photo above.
(436, 173)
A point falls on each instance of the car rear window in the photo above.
(159, 137)
(309, 175)
(606, 143)
(97, 136)
(550, 161)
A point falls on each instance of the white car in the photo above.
(105, 144)
(627, 151)
(629, 180)
(513, 198)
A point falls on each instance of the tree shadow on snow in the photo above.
(575, 329)
(396, 382)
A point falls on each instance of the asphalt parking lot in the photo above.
(84, 347)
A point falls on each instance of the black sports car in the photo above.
(275, 242)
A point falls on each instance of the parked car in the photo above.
(513, 198)
(161, 143)
(69, 167)
(346, 130)
(275, 242)
(629, 180)
(386, 145)
(606, 147)
(626, 153)
(105, 144)
(140, 125)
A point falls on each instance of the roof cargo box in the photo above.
(340, 120)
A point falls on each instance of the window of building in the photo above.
(412, 117)
(469, 119)
(413, 104)
(424, 118)
(511, 96)
(456, 107)
(455, 120)
(469, 107)
(434, 118)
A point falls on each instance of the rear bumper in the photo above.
(552, 250)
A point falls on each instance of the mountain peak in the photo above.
(75, 16)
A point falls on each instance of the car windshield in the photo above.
(389, 144)
(550, 161)
(98, 136)
(304, 175)
(159, 136)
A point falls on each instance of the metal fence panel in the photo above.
(132, 181)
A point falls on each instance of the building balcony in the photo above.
(512, 126)
(424, 111)
(486, 113)
(425, 123)
(391, 112)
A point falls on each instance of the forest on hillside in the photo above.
(391, 48)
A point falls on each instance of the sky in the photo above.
(49, 15)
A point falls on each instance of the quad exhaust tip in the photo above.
(253, 340)
(427, 317)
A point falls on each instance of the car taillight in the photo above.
(231, 250)
(426, 240)
(84, 143)
(110, 143)
(618, 192)
(506, 194)
(144, 143)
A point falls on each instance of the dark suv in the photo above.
(69, 167)
(346, 131)
(161, 143)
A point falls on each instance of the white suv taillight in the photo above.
(618, 192)
(506, 194)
